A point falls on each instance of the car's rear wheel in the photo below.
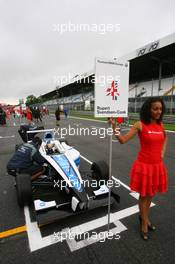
(100, 170)
(24, 189)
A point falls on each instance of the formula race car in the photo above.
(64, 190)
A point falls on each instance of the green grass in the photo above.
(76, 114)
(166, 126)
(169, 127)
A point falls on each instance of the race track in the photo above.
(22, 241)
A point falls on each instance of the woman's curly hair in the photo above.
(145, 111)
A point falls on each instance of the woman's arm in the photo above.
(124, 138)
(164, 146)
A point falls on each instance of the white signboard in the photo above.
(111, 88)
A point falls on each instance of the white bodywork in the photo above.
(62, 148)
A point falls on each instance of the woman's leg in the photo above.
(149, 199)
(150, 225)
(143, 205)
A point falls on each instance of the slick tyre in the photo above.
(23, 189)
(100, 170)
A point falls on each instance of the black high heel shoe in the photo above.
(151, 227)
(144, 235)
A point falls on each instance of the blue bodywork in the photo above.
(68, 170)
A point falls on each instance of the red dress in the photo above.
(148, 173)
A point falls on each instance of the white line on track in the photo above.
(115, 141)
(74, 245)
(88, 119)
(7, 136)
(90, 162)
(36, 241)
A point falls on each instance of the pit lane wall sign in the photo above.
(111, 88)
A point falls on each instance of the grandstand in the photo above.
(151, 88)
(152, 73)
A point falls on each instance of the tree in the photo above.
(31, 99)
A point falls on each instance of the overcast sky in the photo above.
(34, 54)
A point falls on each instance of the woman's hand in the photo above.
(112, 120)
(116, 130)
(125, 138)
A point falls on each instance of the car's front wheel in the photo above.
(24, 189)
(100, 170)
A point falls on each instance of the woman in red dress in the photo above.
(148, 174)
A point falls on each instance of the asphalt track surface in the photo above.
(29, 246)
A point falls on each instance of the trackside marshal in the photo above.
(111, 88)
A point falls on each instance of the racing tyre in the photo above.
(100, 170)
(24, 189)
